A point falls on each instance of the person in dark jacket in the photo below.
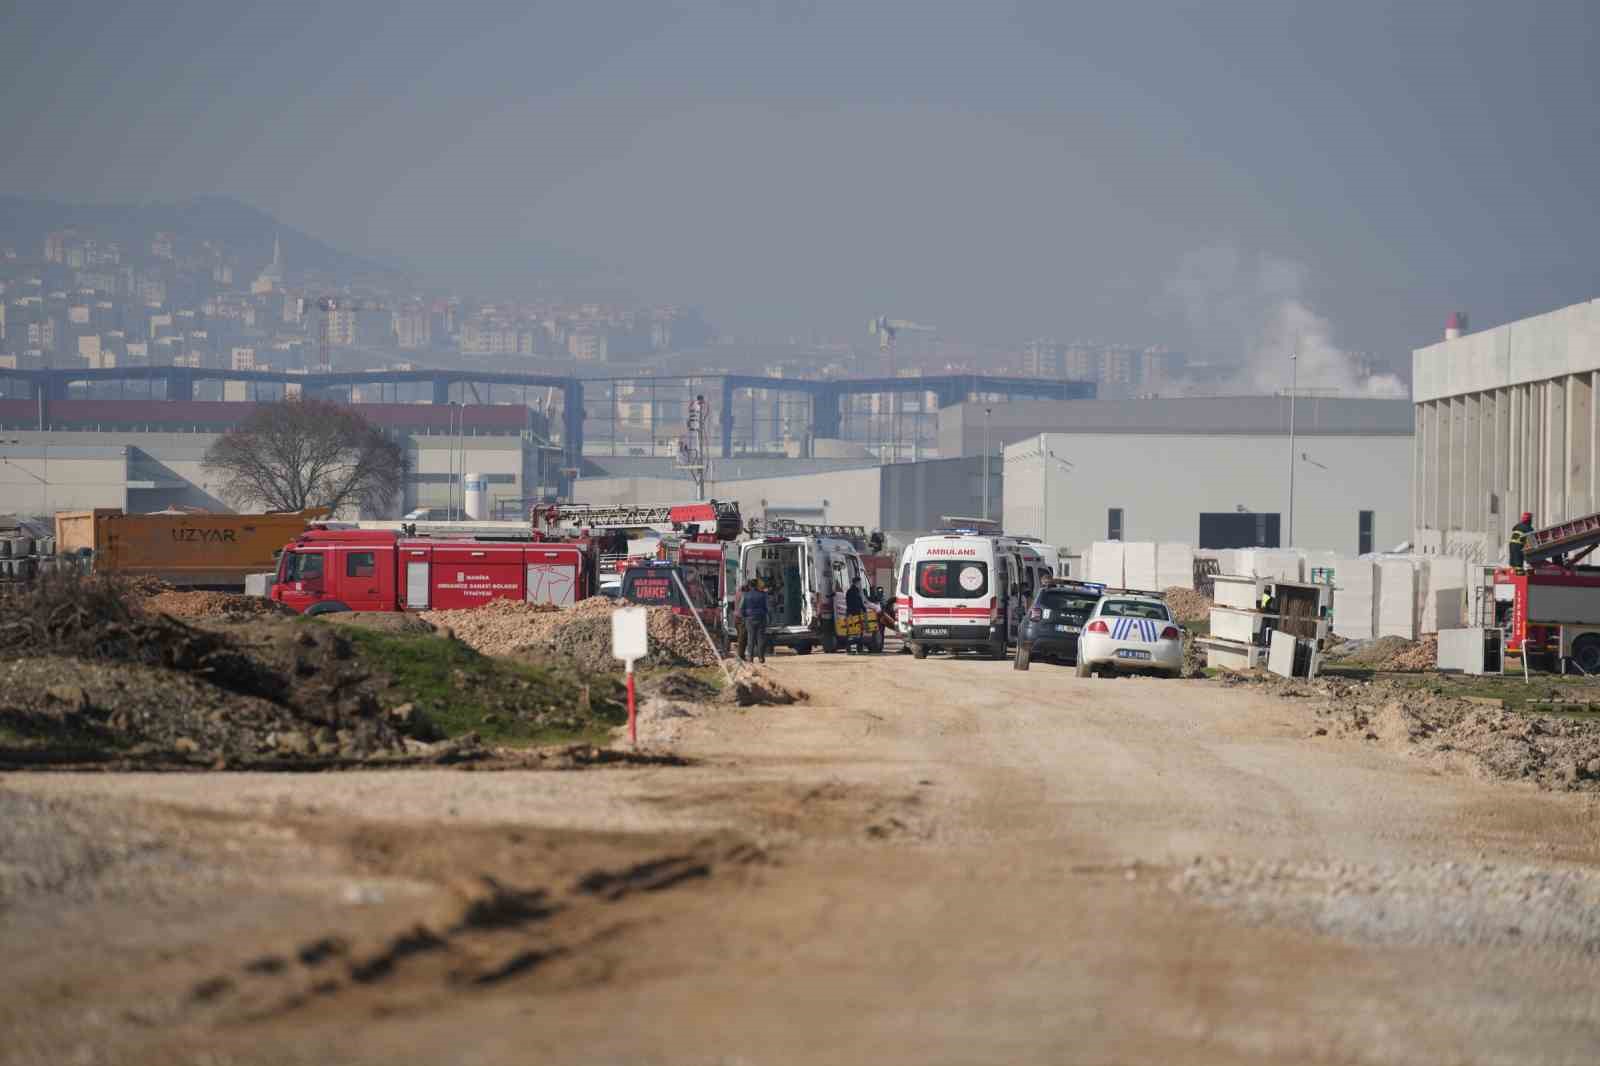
(1519, 539)
(855, 608)
(738, 621)
(753, 609)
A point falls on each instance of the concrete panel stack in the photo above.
(1396, 598)
(1316, 559)
(1445, 604)
(1277, 564)
(1174, 566)
(1355, 599)
(1105, 563)
(1139, 564)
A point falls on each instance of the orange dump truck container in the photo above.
(192, 549)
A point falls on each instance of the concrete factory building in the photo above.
(1505, 423)
(1210, 472)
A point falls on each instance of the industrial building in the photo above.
(895, 498)
(1210, 472)
(1505, 423)
(43, 472)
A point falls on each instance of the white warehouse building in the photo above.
(1506, 423)
(1213, 472)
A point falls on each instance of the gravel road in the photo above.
(930, 862)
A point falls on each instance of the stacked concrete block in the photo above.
(1174, 566)
(1276, 564)
(1396, 612)
(1444, 605)
(1355, 598)
(1316, 559)
(1139, 564)
(1105, 563)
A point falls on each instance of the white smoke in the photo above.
(1256, 306)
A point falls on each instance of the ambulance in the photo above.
(967, 590)
(805, 570)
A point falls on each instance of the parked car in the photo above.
(1054, 621)
(1130, 633)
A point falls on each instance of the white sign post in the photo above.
(630, 641)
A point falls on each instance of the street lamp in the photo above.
(1294, 380)
(986, 463)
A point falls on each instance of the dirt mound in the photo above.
(1553, 752)
(199, 605)
(379, 621)
(87, 674)
(754, 685)
(1391, 654)
(581, 633)
(1187, 605)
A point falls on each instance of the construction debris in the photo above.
(1187, 605)
(581, 633)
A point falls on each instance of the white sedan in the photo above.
(1133, 634)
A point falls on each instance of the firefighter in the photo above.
(1519, 539)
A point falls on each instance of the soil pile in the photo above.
(754, 685)
(1553, 752)
(87, 674)
(1387, 654)
(1187, 605)
(199, 605)
(581, 633)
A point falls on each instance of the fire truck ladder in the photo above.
(666, 519)
(1574, 539)
(779, 527)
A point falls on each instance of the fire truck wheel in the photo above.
(1586, 653)
(1024, 654)
(331, 607)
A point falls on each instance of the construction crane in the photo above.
(887, 329)
(328, 305)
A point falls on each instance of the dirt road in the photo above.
(937, 861)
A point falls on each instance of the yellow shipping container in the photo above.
(214, 550)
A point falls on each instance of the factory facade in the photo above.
(1505, 423)
(1211, 472)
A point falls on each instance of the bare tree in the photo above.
(307, 453)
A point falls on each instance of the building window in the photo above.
(1364, 533)
(1239, 529)
(1114, 524)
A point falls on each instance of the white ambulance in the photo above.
(805, 577)
(966, 590)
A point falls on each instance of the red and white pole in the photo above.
(633, 718)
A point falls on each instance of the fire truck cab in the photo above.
(326, 570)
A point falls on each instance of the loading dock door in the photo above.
(1234, 529)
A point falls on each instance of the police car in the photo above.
(1130, 632)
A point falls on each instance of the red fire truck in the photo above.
(1550, 609)
(326, 570)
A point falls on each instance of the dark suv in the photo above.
(1055, 618)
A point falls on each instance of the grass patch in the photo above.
(1541, 694)
(504, 701)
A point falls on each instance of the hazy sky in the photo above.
(1001, 170)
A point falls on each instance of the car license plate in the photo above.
(1130, 653)
(936, 631)
(1066, 629)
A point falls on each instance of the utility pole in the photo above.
(986, 463)
(1294, 381)
(1044, 492)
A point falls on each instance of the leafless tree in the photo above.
(304, 453)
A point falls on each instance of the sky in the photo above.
(794, 167)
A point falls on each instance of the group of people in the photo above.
(754, 606)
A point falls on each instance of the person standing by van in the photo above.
(753, 609)
(855, 609)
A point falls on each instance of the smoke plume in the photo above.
(1256, 306)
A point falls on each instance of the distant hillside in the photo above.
(246, 232)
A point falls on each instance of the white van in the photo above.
(965, 591)
(801, 575)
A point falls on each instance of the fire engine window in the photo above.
(361, 564)
(953, 580)
(304, 566)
